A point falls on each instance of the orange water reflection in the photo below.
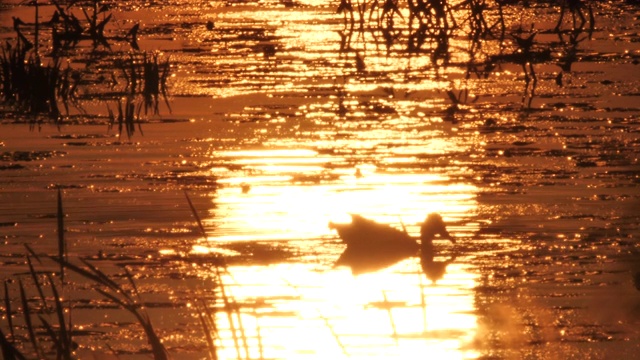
(300, 312)
(293, 194)
(306, 307)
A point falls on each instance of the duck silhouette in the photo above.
(431, 228)
(372, 246)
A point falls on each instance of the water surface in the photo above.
(276, 128)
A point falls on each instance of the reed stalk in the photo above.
(258, 334)
(63, 342)
(154, 74)
(387, 306)
(36, 87)
(423, 303)
(208, 323)
(62, 246)
(128, 117)
(232, 309)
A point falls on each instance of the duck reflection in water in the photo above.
(432, 227)
(372, 246)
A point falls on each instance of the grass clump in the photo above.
(40, 323)
(34, 84)
(30, 86)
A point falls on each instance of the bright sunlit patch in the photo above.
(308, 310)
(244, 154)
(254, 179)
(205, 250)
(284, 194)
(331, 314)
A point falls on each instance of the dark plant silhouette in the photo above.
(37, 85)
(577, 9)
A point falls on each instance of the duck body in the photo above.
(363, 232)
(372, 246)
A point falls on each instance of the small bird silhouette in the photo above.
(372, 246)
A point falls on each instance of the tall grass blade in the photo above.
(7, 306)
(112, 118)
(9, 352)
(133, 284)
(65, 335)
(195, 214)
(393, 323)
(120, 119)
(163, 83)
(258, 334)
(229, 311)
(27, 320)
(233, 309)
(126, 303)
(104, 279)
(206, 322)
(33, 253)
(78, 270)
(158, 350)
(137, 118)
(129, 117)
(34, 276)
(61, 244)
(55, 340)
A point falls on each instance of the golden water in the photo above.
(538, 186)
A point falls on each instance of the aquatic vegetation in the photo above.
(35, 84)
(576, 8)
(60, 329)
(29, 85)
(48, 323)
(145, 74)
(68, 30)
(128, 117)
(429, 28)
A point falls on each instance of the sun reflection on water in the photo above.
(299, 312)
(306, 307)
(281, 195)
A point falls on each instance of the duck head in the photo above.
(434, 225)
